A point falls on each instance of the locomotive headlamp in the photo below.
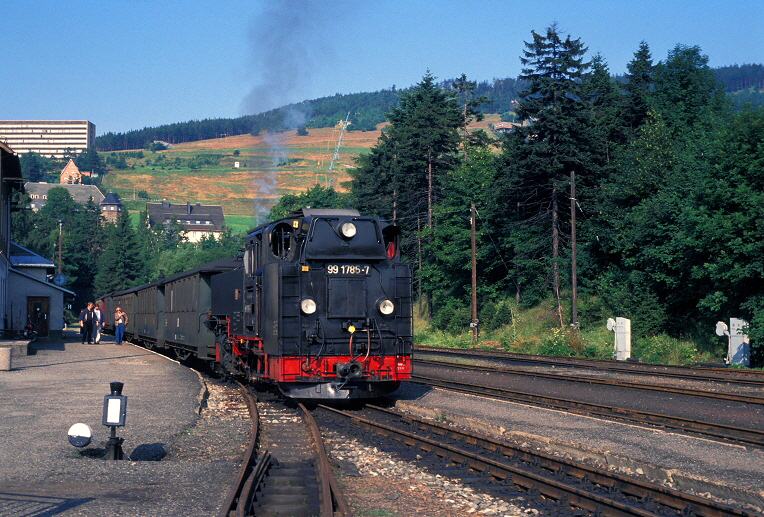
(386, 307)
(348, 230)
(308, 306)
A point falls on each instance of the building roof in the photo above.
(79, 193)
(111, 199)
(22, 257)
(198, 217)
(42, 282)
(11, 165)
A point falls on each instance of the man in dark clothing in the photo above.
(87, 322)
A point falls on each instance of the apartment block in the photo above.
(49, 138)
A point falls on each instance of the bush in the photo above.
(664, 349)
(495, 315)
(559, 344)
(453, 318)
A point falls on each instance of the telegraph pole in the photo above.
(474, 323)
(573, 273)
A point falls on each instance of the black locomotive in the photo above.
(320, 304)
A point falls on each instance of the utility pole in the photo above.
(474, 323)
(573, 272)
(337, 150)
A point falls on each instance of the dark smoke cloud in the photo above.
(289, 40)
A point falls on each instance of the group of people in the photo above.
(91, 323)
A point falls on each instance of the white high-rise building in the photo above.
(49, 138)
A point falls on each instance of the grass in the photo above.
(165, 175)
(536, 331)
(240, 223)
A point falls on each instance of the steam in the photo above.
(287, 42)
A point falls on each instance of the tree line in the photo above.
(368, 109)
(653, 180)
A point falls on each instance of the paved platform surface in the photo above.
(62, 383)
(727, 471)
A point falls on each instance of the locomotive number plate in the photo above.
(347, 269)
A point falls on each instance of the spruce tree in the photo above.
(541, 157)
(417, 148)
(120, 266)
(637, 88)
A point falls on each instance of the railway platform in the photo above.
(60, 383)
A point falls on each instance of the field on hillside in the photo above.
(269, 166)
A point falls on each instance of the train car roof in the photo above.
(216, 266)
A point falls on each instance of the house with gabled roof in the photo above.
(38, 193)
(71, 174)
(198, 220)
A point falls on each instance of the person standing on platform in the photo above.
(98, 321)
(120, 320)
(87, 321)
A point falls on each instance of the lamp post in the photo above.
(60, 241)
(114, 409)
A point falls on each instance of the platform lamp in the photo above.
(114, 409)
(59, 279)
(60, 239)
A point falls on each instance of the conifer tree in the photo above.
(637, 88)
(120, 266)
(416, 149)
(541, 157)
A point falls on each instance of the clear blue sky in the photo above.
(128, 64)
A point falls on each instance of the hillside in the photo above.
(269, 166)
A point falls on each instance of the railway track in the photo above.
(286, 470)
(706, 429)
(704, 373)
(544, 483)
(694, 392)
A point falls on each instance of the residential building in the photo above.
(111, 207)
(71, 174)
(49, 138)
(38, 193)
(198, 220)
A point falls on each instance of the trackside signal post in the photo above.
(622, 329)
(738, 348)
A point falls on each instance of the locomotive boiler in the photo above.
(321, 306)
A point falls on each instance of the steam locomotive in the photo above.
(319, 304)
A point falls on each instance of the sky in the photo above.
(130, 64)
